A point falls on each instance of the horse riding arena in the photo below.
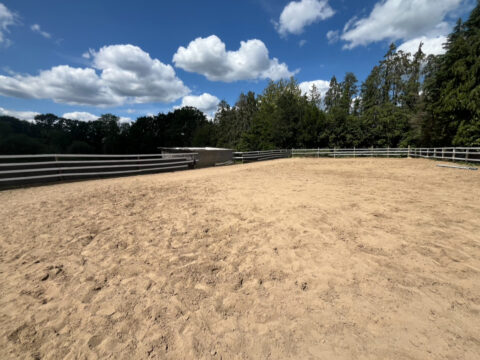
(287, 259)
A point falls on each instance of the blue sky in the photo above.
(133, 58)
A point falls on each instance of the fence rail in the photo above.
(18, 170)
(250, 156)
(466, 154)
(351, 152)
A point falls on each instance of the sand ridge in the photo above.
(294, 258)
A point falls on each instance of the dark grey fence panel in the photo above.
(18, 170)
(251, 156)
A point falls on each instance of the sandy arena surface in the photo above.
(287, 259)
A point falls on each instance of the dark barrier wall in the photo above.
(206, 156)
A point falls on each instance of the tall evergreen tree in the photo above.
(349, 90)
(332, 97)
(453, 87)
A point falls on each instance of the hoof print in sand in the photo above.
(94, 341)
(303, 285)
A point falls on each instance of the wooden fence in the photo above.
(466, 154)
(250, 156)
(18, 170)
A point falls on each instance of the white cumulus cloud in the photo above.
(431, 46)
(130, 72)
(80, 115)
(299, 14)
(7, 18)
(86, 116)
(126, 74)
(22, 115)
(209, 57)
(321, 85)
(400, 19)
(205, 102)
(62, 84)
(36, 28)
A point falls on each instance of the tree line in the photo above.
(407, 99)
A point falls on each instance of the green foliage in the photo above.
(332, 97)
(79, 147)
(284, 118)
(51, 134)
(453, 87)
(233, 122)
(21, 144)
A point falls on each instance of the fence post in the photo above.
(466, 155)
(388, 151)
(59, 172)
(453, 154)
(408, 153)
(318, 153)
(443, 152)
(354, 152)
(371, 151)
(334, 152)
(434, 153)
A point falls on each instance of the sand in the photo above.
(286, 259)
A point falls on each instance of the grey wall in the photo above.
(211, 157)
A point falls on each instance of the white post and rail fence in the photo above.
(464, 154)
